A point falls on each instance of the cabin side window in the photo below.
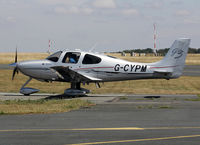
(54, 57)
(91, 59)
(71, 57)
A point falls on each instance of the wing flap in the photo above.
(68, 74)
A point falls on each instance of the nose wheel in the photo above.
(27, 91)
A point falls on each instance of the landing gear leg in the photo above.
(76, 90)
(28, 91)
(78, 86)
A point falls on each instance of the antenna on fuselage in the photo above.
(93, 47)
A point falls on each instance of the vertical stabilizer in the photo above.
(174, 61)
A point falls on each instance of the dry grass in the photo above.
(7, 58)
(41, 106)
(183, 85)
(7, 85)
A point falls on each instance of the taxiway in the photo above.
(116, 119)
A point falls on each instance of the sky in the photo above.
(104, 25)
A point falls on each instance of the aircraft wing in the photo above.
(66, 73)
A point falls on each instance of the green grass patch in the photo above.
(165, 107)
(41, 106)
(194, 99)
(123, 98)
(1, 113)
(23, 102)
(197, 99)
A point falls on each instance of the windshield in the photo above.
(54, 57)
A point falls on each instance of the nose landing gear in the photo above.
(27, 91)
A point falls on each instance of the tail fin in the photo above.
(174, 61)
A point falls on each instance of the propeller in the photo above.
(15, 69)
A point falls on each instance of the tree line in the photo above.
(160, 51)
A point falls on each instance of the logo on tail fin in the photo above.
(177, 53)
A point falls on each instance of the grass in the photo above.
(41, 106)
(183, 85)
(123, 98)
(8, 58)
(165, 107)
(1, 113)
(194, 99)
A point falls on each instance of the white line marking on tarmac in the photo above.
(138, 140)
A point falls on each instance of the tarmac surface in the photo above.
(116, 119)
(189, 70)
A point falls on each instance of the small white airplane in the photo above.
(77, 67)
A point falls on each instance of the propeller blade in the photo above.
(14, 71)
(16, 55)
(15, 64)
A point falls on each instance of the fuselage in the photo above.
(95, 65)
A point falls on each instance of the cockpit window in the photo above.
(71, 57)
(91, 59)
(54, 57)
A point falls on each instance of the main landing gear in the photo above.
(76, 90)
